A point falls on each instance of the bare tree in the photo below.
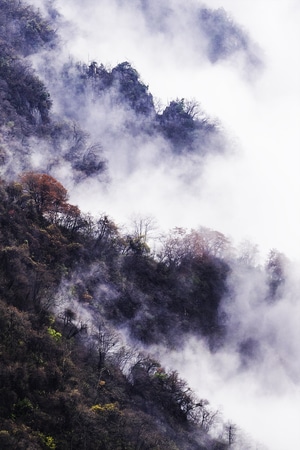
(204, 415)
(231, 433)
(125, 357)
(105, 341)
(192, 107)
(172, 249)
(143, 226)
(180, 244)
(248, 253)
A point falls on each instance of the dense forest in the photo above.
(84, 301)
(67, 378)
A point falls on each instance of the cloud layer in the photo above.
(250, 194)
(247, 76)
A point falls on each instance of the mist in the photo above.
(251, 87)
(253, 378)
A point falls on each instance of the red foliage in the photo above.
(48, 194)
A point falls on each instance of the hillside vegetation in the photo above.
(67, 379)
(82, 301)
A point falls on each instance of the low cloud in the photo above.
(254, 376)
(251, 194)
(250, 82)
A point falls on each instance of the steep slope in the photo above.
(88, 309)
(66, 382)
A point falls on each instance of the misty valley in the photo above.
(111, 333)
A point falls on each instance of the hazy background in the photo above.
(255, 192)
(252, 87)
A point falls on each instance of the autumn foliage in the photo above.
(50, 198)
(47, 193)
(67, 383)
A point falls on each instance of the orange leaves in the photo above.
(50, 199)
(47, 193)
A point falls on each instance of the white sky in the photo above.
(252, 194)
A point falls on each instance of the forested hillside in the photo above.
(68, 283)
(68, 380)
(85, 302)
